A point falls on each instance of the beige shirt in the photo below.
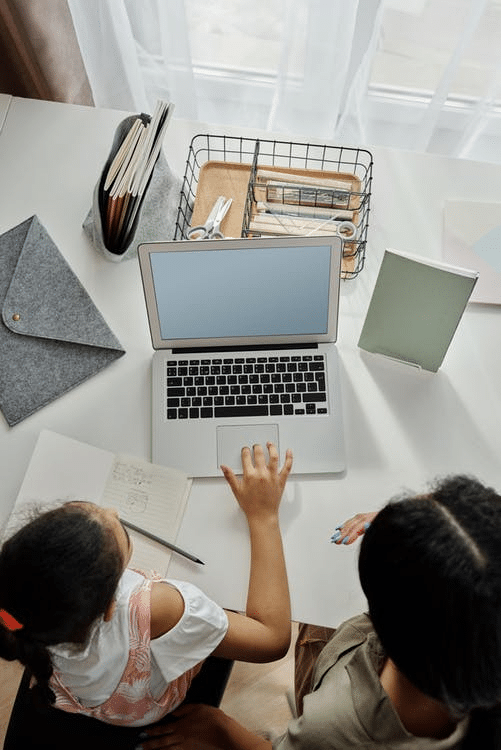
(348, 707)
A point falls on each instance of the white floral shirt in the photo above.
(121, 676)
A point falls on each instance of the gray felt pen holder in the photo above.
(156, 218)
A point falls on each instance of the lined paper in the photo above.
(151, 497)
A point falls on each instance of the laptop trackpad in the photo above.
(231, 440)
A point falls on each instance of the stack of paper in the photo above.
(129, 174)
(472, 237)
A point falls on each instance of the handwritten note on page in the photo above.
(152, 497)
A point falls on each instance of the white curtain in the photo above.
(321, 83)
(138, 50)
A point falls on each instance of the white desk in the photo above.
(402, 427)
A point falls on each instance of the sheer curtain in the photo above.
(319, 69)
(138, 50)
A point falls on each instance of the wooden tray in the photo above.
(231, 179)
(222, 178)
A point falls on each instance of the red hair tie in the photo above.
(9, 621)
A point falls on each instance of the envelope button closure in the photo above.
(16, 317)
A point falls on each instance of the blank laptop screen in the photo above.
(270, 291)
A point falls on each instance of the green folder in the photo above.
(415, 309)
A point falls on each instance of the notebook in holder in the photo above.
(244, 332)
(415, 309)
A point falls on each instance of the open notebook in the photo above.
(152, 497)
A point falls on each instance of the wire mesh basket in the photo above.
(304, 185)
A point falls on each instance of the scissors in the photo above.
(211, 230)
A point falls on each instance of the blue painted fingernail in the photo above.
(336, 536)
(366, 525)
(345, 540)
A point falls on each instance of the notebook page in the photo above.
(151, 497)
(60, 470)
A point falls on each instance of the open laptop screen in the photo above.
(242, 294)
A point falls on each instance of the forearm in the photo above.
(263, 634)
(268, 600)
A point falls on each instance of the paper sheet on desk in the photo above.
(152, 497)
(472, 238)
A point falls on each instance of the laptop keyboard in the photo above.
(246, 387)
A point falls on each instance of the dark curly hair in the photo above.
(58, 574)
(430, 567)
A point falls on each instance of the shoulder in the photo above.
(178, 603)
(331, 717)
(355, 630)
(200, 628)
(349, 635)
(166, 608)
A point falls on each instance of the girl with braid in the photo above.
(121, 646)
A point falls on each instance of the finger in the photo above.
(273, 454)
(357, 526)
(285, 471)
(259, 460)
(352, 536)
(246, 457)
(351, 523)
(161, 739)
(349, 527)
(230, 478)
(342, 533)
(340, 538)
(349, 532)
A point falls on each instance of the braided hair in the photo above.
(58, 574)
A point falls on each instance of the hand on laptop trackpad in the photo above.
(231, 440)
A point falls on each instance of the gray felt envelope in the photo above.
(52, 336)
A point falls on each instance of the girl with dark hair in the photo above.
(423, 668)
(122, 646)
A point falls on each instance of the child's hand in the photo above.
(350, 530)
(260, 489)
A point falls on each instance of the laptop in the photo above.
(244, 334)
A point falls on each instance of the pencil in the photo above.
(171, 546)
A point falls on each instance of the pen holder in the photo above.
(156, 217)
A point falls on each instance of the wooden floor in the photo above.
(255, 694)
(10, 676)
